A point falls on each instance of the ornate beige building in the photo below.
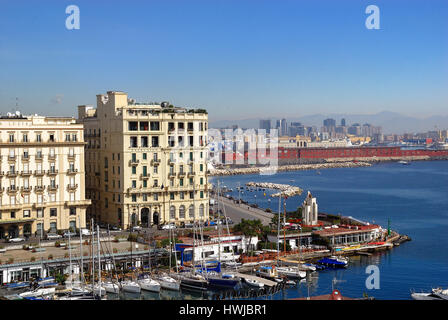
(145, 162)
(41, 175)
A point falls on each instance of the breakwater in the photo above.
(285, 189)
(292, 167)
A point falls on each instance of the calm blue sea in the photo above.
(414, 198)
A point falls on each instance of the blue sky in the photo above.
(238, 59)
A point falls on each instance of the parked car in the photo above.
(18, 239)
(168, 226)
(53, 236)
(189, 225)
(85, 232)
(68, 233)
(136, 228)
(115, 228)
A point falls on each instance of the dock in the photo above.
(266, 282)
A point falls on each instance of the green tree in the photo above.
(250, 228)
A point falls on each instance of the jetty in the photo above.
(265, 281)
(285, 189)
(291, 167)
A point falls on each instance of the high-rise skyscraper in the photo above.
(266, 125)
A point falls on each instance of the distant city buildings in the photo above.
(266, 125)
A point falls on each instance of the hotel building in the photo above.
(145, 162)
(41, 175)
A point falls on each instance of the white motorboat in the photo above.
(343, 260)
(111, 287)
(130, 286)
(291, 272)
(38, 293)
(439, 292)
(424, 296)
(307, 267)
(149, 284)
(255, 283)
(166, 282)
(79, 291)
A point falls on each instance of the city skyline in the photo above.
(236, 59)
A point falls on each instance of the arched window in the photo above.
(191, 211)
(201, 210)
(172, 212)
(182, 212)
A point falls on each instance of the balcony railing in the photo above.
(144, 176)
(52, 172)
(12, 158)
(25, 173)
(52, 187)
(72, 186)
(39, 172)
(72, 171)
(12, 173)
(39, 188)
(133, 161)
(39, 156)
(25, 158)
(11, 189)
(26, 189)
(71, 156)
(155, 162)
(51, 157)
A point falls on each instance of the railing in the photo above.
(11, 173)
(26, 189)
(72, 171)
(53, 187)
(52, 172)
(26, 173)
(39, 172)
(72, 186)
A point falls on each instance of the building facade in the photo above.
(41, 175)
(145, 162)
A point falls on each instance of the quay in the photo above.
(265, 281)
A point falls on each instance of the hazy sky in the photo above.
(238, 59)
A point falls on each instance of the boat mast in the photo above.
(80, 249)
(70, 260)
(284, 225)
(278, 227)
(92, 255)
(99, 257)
(219, 228)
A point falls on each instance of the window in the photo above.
(145, 197)
(182, 212)
(201, 181)
(53, 212)
(181, 195)
(201, 167)
(201, 210)
(144, 142)
(52, 197)
(144, 156)
(40, 213)
(134, 157)
(51, 138)
(26, 213)
(134, 183)
(67, 137)
(53, 227)
(181, 182)
(172, 212)
(11, 137)
(202, 194)
(190, 126)
(190, 141)
(172, 195)
(132, 126)
(155, 125)
(191, 211)
(26, 198)
(134, 170)
(156, 170)
(191, 194)
(145, 183)
(13, 215)
(155, 196)
(25, 137)
(144, 126)
(155, 142)
(133, 142)
(38, 137)
(134, 198)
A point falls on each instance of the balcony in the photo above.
(12, 173)
(72, 171)
(52, 172)
(172, 174)
(71, 156)
(52, 187)
(86, 202)
(26, 189)
(25, 158)
(155, 162)
(12, 158)
(72, 187)
(39, 172)
(191, 173)
(11, 189)
(25, 173)
(133, 162)
(39, 157)
(171, 161)
(182, 174)
(51, 157)
(144, 177)
(132, 190)
(39, 188)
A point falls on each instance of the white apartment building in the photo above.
(41, 175)
(145, 162)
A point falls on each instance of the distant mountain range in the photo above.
(391, 122)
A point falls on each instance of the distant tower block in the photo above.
(309, 210)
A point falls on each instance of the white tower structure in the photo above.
(309, 210)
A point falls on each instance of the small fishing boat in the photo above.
(254, 283)
(130, 286)
(291, 272)
(404, 162)
(267, 272)
(149, 284)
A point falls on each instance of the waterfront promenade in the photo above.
(236, 212)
